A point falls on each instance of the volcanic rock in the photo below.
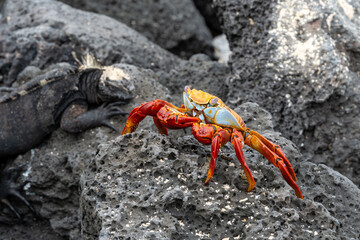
(174, 25)
(300, 61)
(40, 33)
(148, 186)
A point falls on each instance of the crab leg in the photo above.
(165, 115)
(237, 141)
(277, 150)
(253, 141)
(214, 135)
(160, 127)
(221, 137)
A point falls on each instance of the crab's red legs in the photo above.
(165, 115)
(237, 141)
(217, 137)
(275, 155)
(214, 135)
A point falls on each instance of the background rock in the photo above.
(301, 62)
(39, 33)
(174, 25)
(200, 73)
(206, 9)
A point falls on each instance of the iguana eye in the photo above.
(213, 101)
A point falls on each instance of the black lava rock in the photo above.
(301, 62)
(174, 25)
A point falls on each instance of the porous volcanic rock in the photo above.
(148, 186)
(53, 169)
(206, 9)
(199, 73)
(300, 60)
(174, 25)
(40, 33)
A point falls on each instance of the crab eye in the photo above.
(213, 101)
(186, 89)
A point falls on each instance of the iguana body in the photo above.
(62, 98)
(26, 119)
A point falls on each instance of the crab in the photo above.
(213, 123)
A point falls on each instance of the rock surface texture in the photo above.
(298, 61)
(39, 33)
(199, 73)
(174, 25)
(147, 186)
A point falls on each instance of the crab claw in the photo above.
(174, 119)
(139, 113)
(165, 115)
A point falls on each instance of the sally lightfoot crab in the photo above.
(212, 123)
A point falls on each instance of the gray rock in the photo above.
(38, 229)
(173, 25)
(199, 73)
(53, 169)
(147, 186)
(207, 10)
(40, 33)
(301, 62)
(255, 117)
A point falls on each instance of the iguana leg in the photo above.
(77, 118)
(8, 188)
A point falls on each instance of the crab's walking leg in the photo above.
(160, 127)
(165, 115)
(237, 141)
(277, 150)
(253, 141)
(217, 136)
(220, 138)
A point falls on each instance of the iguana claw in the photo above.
(7, 189)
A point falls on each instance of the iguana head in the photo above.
(112, 83)
(115, 84)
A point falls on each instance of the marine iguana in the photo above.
(60, 98)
